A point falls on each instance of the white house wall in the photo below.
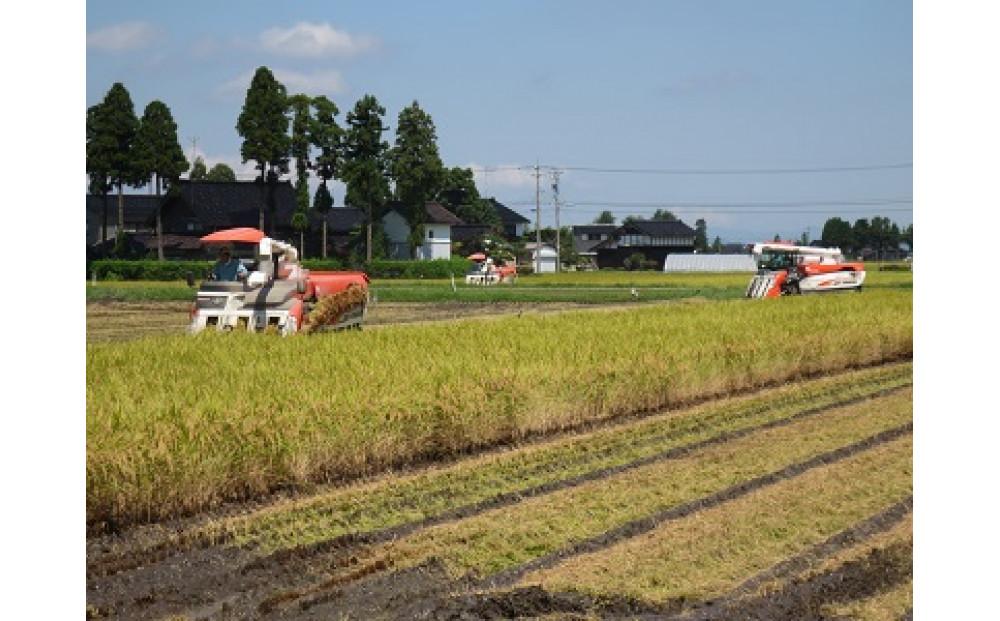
(437, 242)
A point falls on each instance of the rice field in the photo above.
(788, 502)
(177, 425)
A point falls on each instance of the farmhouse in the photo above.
(514, 224)
(587, 237)
(654, 239)
(434, 233)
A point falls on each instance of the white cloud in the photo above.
(489, 178)
(328, 82)
(315, 40)
(122, 37)
(243, 171)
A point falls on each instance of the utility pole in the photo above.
(538, 221)
(555, 202)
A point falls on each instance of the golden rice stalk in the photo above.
(331, 308)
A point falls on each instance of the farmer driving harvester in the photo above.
(228, 269)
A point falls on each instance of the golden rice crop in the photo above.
(177, 424)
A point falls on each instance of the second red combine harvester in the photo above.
(786, 269)
(278, 294)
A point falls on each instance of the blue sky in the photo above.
(709, 85)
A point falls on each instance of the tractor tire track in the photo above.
(511, 498)
(788, 568)
(321, 594)
(643, 525)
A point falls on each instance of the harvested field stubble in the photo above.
(177, 424)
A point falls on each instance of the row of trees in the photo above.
(125, 150)
(411, 171)
(277, 128)
(877, 235)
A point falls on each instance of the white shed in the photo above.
(709, 263)
(543, 260)
(435, 233)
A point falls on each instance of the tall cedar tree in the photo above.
(199, 171)
(116, 125)
(263, 125)
(301, 121)
(159, 155)
(98, 154)
(701, 235)
(365, 163)
(220, 173)
(327, 136)
(717, 245)
(415, 167)
(459, 194)
(605, 217)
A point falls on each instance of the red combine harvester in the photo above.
(786, 269)
(277, 293)
(485, 272)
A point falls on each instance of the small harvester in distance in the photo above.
(485, 272)
(787, 269)
(277, 294)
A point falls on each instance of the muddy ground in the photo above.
(117, 321)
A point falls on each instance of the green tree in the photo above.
(159, 155)
(327, 136)
(717, 245)
(630, 219)
(220, 173)
(804, 238)
(116, 125)
(263, 125)
(365, 163)
(777, 237)
(906, 236)
(302, 121)
(862, 234)
(99, 149)
(605, 217)
(701, 235)
(415, 166)
(459, 194)
(838, 233)
(199, 172)
(663, 214)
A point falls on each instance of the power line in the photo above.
(704, 171)
(738, 171)
(750, 211)
(739, 204)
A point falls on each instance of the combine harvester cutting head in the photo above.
(485, 272)
(785, 269)
(278, 293)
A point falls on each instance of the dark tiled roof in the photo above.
(465, 232)
(234, 203)
(658, 228)
(437, 214)
(140, 209)
(506, 214)
(586, 229)
(339, 220)
(178, 242)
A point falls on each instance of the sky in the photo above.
(662, 87)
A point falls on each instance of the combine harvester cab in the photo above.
(786, 269)
(485, 272)
(278, 294)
